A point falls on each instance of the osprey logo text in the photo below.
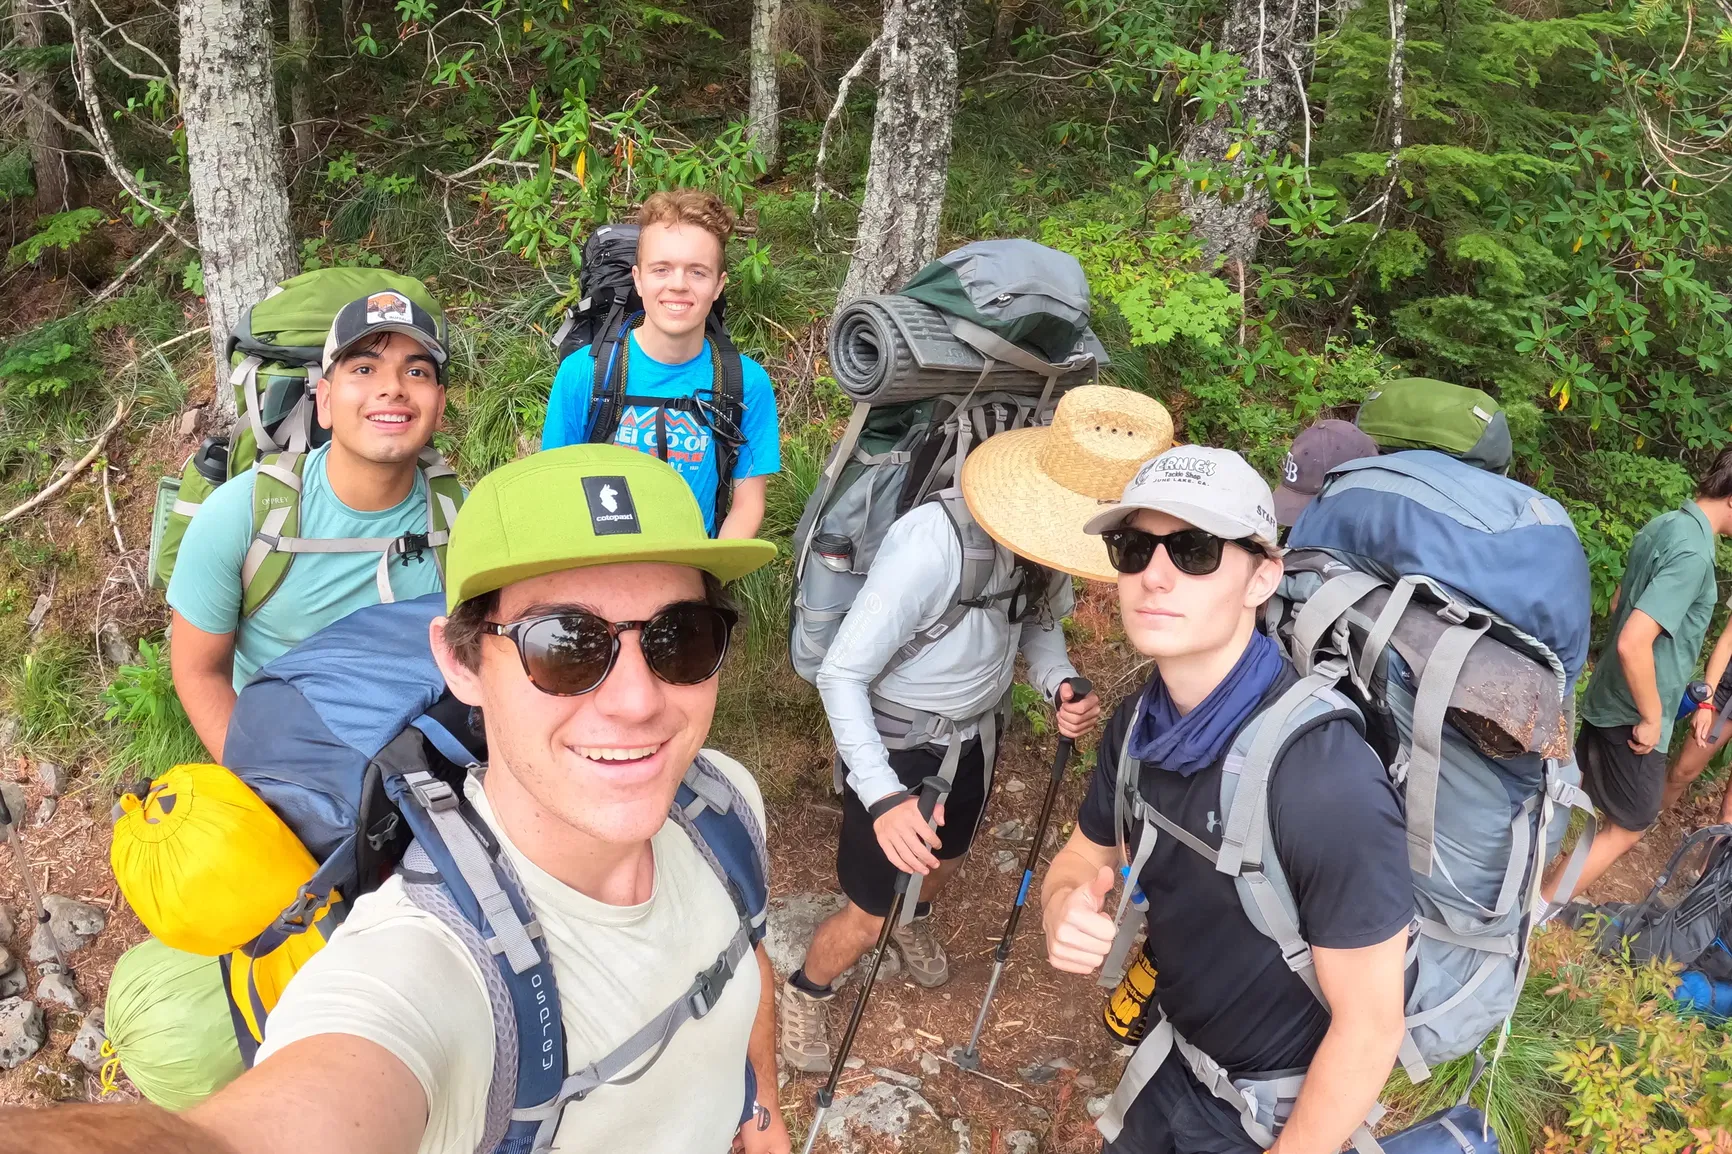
(611, 509)
(1214, 823)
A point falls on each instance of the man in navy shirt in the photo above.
(1193, 542)
(679, 273)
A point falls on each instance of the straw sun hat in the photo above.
(1032, 490)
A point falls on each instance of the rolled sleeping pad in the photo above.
(1697, 991)
(890, 349)
(168, 1020)
(1458, 1130)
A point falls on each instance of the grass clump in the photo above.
(50, 692)
(151, 729)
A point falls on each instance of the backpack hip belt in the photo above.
(1262, 1101)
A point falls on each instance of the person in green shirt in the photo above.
(1660, 617)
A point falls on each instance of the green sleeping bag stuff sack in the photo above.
(1420, 413)
(168, 1022)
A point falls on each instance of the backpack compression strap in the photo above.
(277, 522)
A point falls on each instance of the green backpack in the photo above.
(1420, 413)
(274, 352)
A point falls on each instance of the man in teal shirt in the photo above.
(1660, 617)
(382, 397)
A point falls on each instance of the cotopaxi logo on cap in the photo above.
(611, 509)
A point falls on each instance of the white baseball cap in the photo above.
(1215, 490)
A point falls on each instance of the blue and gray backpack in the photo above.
(354, 741)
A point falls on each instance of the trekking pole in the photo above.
(933, 789)
(9, 822)
(969, 1059)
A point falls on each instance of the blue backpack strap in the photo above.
(726, 832)
(490, 900)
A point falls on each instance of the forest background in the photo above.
(1279, 204)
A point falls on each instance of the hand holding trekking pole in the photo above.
(908, 838)
(1077, 712)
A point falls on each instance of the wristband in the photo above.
(885, 804)
(1708, 705)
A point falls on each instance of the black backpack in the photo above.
(609, 309)
(1688, 929)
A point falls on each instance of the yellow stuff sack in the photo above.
(256, 984)
(204, 861)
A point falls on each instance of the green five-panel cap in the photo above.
(579, 506)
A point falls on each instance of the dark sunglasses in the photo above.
(571, 653)
(1192, 550)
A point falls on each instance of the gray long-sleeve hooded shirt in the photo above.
(914, 579)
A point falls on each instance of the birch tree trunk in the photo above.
(1272, 38)
(764, 123)
(303, 40)
(910, 164)
(47, 140)
(234, 162)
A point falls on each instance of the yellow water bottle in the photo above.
(1128, 1009)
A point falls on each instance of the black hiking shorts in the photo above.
(1175, 1115)
(1625, 785)
(865, 874)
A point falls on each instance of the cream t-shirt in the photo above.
(394, 975)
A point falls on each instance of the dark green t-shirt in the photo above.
(1670, 578)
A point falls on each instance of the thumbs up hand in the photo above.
(1078, 934)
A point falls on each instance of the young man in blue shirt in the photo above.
(680, 273)
(382, 396)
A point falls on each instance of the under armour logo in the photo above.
(608, 497)
(1213, 823)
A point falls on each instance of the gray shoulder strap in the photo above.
(979, 554)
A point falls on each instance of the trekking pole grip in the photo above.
(1080, 687)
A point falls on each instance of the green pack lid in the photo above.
(1420, 413)
(292, 321)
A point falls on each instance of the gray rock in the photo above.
(1012, 830)
(1021, 1142)
(51, 777)
(1084, 1082)
(38, 612)
(7, 927)
(929, 1064)
(790, 924)
(1003, 861)
(1097, 1106)
(9, 725)
(86, 1048)
(882, 1108)
(13, 982)
(1014, 786)
(57, 989)
(1041, 1073)
(189, 421)
(13, 795)
(116, 649)
(964, 1138)
(22, 1032)
(897, 1077)
(45, 811)
(74, 924)
(854, 1064)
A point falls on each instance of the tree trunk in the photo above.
(910, 165)
(303, 40)
(47, 140)
(1004, 28)
(765, 121)
(1273, 40)
(234, 162)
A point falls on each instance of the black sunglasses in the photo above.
(1193, 551)
(572, 652)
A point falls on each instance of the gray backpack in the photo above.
(1469, 716)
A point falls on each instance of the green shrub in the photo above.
(147, 716)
